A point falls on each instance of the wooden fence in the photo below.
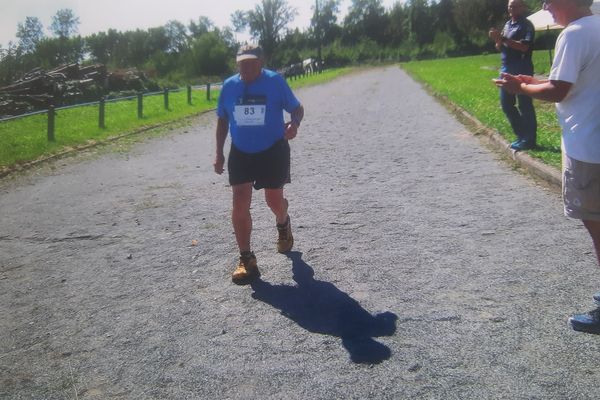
(51, 111)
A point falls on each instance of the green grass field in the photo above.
(25, 139)
(467, 82)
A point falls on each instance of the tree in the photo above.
(398, 27)
(366, 18)
(422, 30)
(477, 16)
(209, 56)
(323, 22)
(103, 46)
(197, 29)
(294, 47)
(228, 37)
(30, 33)
(64, 23)
(177, 36)
(442, 12)
(52, 52)
(139, 47)
(266, 23)
(157, 40)
(238, 20)
(9, 63)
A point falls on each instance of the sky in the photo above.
(100, 15)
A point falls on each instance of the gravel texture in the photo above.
(424, 267)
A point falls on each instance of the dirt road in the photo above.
(424, 267)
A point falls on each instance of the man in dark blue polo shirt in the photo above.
(515, 42)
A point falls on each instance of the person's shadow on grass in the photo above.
(320, 307)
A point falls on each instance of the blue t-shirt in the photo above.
(514, 61)
(255, 110)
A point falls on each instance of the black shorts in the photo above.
(269, 169)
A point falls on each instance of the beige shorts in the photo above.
(581, 189)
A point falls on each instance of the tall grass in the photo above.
(467, 82)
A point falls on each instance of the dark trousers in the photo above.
(520, 114)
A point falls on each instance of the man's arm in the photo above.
(297, 115)
(221, 135)
(291, 128)
(516, 44)
(553, 91)
(500, 40)
(496, 36)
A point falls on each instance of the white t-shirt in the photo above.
(577, 60)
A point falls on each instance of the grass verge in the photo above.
(25, 139)
(466, 82)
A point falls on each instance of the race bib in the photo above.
(251, 111)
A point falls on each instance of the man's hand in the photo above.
(528, 79)
(510, 83)
(494, 34)
(291, 130)
(219, 163)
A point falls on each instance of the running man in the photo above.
(251, 106)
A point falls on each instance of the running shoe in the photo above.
(246, 270)
(588, 322)
(522, 145)
(596, 297)
(285, 241)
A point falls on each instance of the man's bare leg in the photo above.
(593, 228)
(279, 205)
(240, 215)
(247, 268)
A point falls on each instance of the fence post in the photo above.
(166, 95)
(51, 115)
(140, 104)
(189, 94)
(208, 91)
(101, 105)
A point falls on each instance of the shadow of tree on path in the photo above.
(320, 307)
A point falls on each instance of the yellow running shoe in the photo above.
(285, 242)
(246, 270)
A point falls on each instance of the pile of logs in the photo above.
(66, 85)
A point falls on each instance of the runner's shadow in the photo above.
(320, 307)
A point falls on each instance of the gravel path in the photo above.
(424, 267)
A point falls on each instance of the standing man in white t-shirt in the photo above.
(574, 85)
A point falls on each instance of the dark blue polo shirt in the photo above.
(514, 61)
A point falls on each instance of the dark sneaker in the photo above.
(522, 145)
(246, 270)
(285, 241)
(515, 143)
(596, 298)
(588, 322)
